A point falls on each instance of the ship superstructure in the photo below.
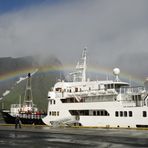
(108, 103)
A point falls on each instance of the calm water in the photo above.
(36, 137)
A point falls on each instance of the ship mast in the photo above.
(80, 74)
(28, 98)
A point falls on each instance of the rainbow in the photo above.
(107, 71)
(98, 70)
(25, 71)
(93, 69)
(16, 73)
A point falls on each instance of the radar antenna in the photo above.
(116, 72)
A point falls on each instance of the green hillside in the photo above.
(9, 65)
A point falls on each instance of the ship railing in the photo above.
(71, 94)
(84, 93)
(31, 116)
(132, 90)
(77, 95)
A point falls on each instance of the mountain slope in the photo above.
(42, 81)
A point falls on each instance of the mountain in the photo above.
(42, 81)
(10, 65)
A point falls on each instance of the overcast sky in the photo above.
(114, 31)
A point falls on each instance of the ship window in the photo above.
(144, 114)
(139, 96)
(116, 113)
(89, 112)
(71, 100)
(98, 113)
(53, 101)
(109, 86)
(130, 114)
(86, 112)
(121, 114)
(94, 113)
(76, 89)
(58, 113)
(112, 86)
(54, 113)
(125, 113)
(50, 113)
(82, 100)
(106, 113)
(58, 89)
(102, 113)
(133, 98)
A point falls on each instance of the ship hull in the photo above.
(24, 118)
(133, 120)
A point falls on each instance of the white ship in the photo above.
(109, 103)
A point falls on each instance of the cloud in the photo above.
(110, 29)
